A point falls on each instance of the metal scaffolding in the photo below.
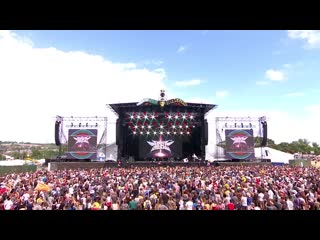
(223, 123)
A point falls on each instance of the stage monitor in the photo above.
(82, 144)
(239, 144)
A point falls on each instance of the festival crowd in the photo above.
(164, 188)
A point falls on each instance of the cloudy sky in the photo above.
(76, 73)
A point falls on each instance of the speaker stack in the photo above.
(57, 133)
(265, 134)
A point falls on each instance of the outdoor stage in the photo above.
(161, 129)
(153, 131)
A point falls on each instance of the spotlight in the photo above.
(148, 133)
(134, 132)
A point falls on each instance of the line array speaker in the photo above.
(265, 134)
(57, 133)
(205, 132)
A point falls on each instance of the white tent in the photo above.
(16, 162)
(276, 156)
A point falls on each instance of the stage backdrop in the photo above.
(239, 144)
(82, 144)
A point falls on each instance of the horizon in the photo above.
(76, 73)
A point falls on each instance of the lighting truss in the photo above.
(167, 123)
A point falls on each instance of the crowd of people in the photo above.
(164, 188)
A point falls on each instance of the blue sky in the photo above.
(272, 72)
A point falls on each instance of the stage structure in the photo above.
(86, 138)
(235, 137)
(164, 130)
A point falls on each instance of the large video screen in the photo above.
(239, 144)
(163, 135)
(82, 144)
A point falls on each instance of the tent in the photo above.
(276, 156)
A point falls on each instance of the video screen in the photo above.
(239, 144)
(82, 144)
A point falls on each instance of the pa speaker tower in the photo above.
(118, 132)
(205, 135)
(57, 133)
(265, 134)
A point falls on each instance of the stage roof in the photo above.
(119, 108)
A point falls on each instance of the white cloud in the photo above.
(312, 37)
(274, 75)
(262, 83)
(188, 83)
(182, 49)
(221, 94)
(155, 62)
(294, 94)
(314, 109)
(39, 83)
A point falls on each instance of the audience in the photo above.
(164, 188)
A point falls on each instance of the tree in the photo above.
(36, 154)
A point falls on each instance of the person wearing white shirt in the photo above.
(290, 204)
(244, 202)
(8, 204)
(189, 205)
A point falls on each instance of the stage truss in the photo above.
(99, 123)
(223, 123)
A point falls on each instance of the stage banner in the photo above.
(82, 144)
(239, 144)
